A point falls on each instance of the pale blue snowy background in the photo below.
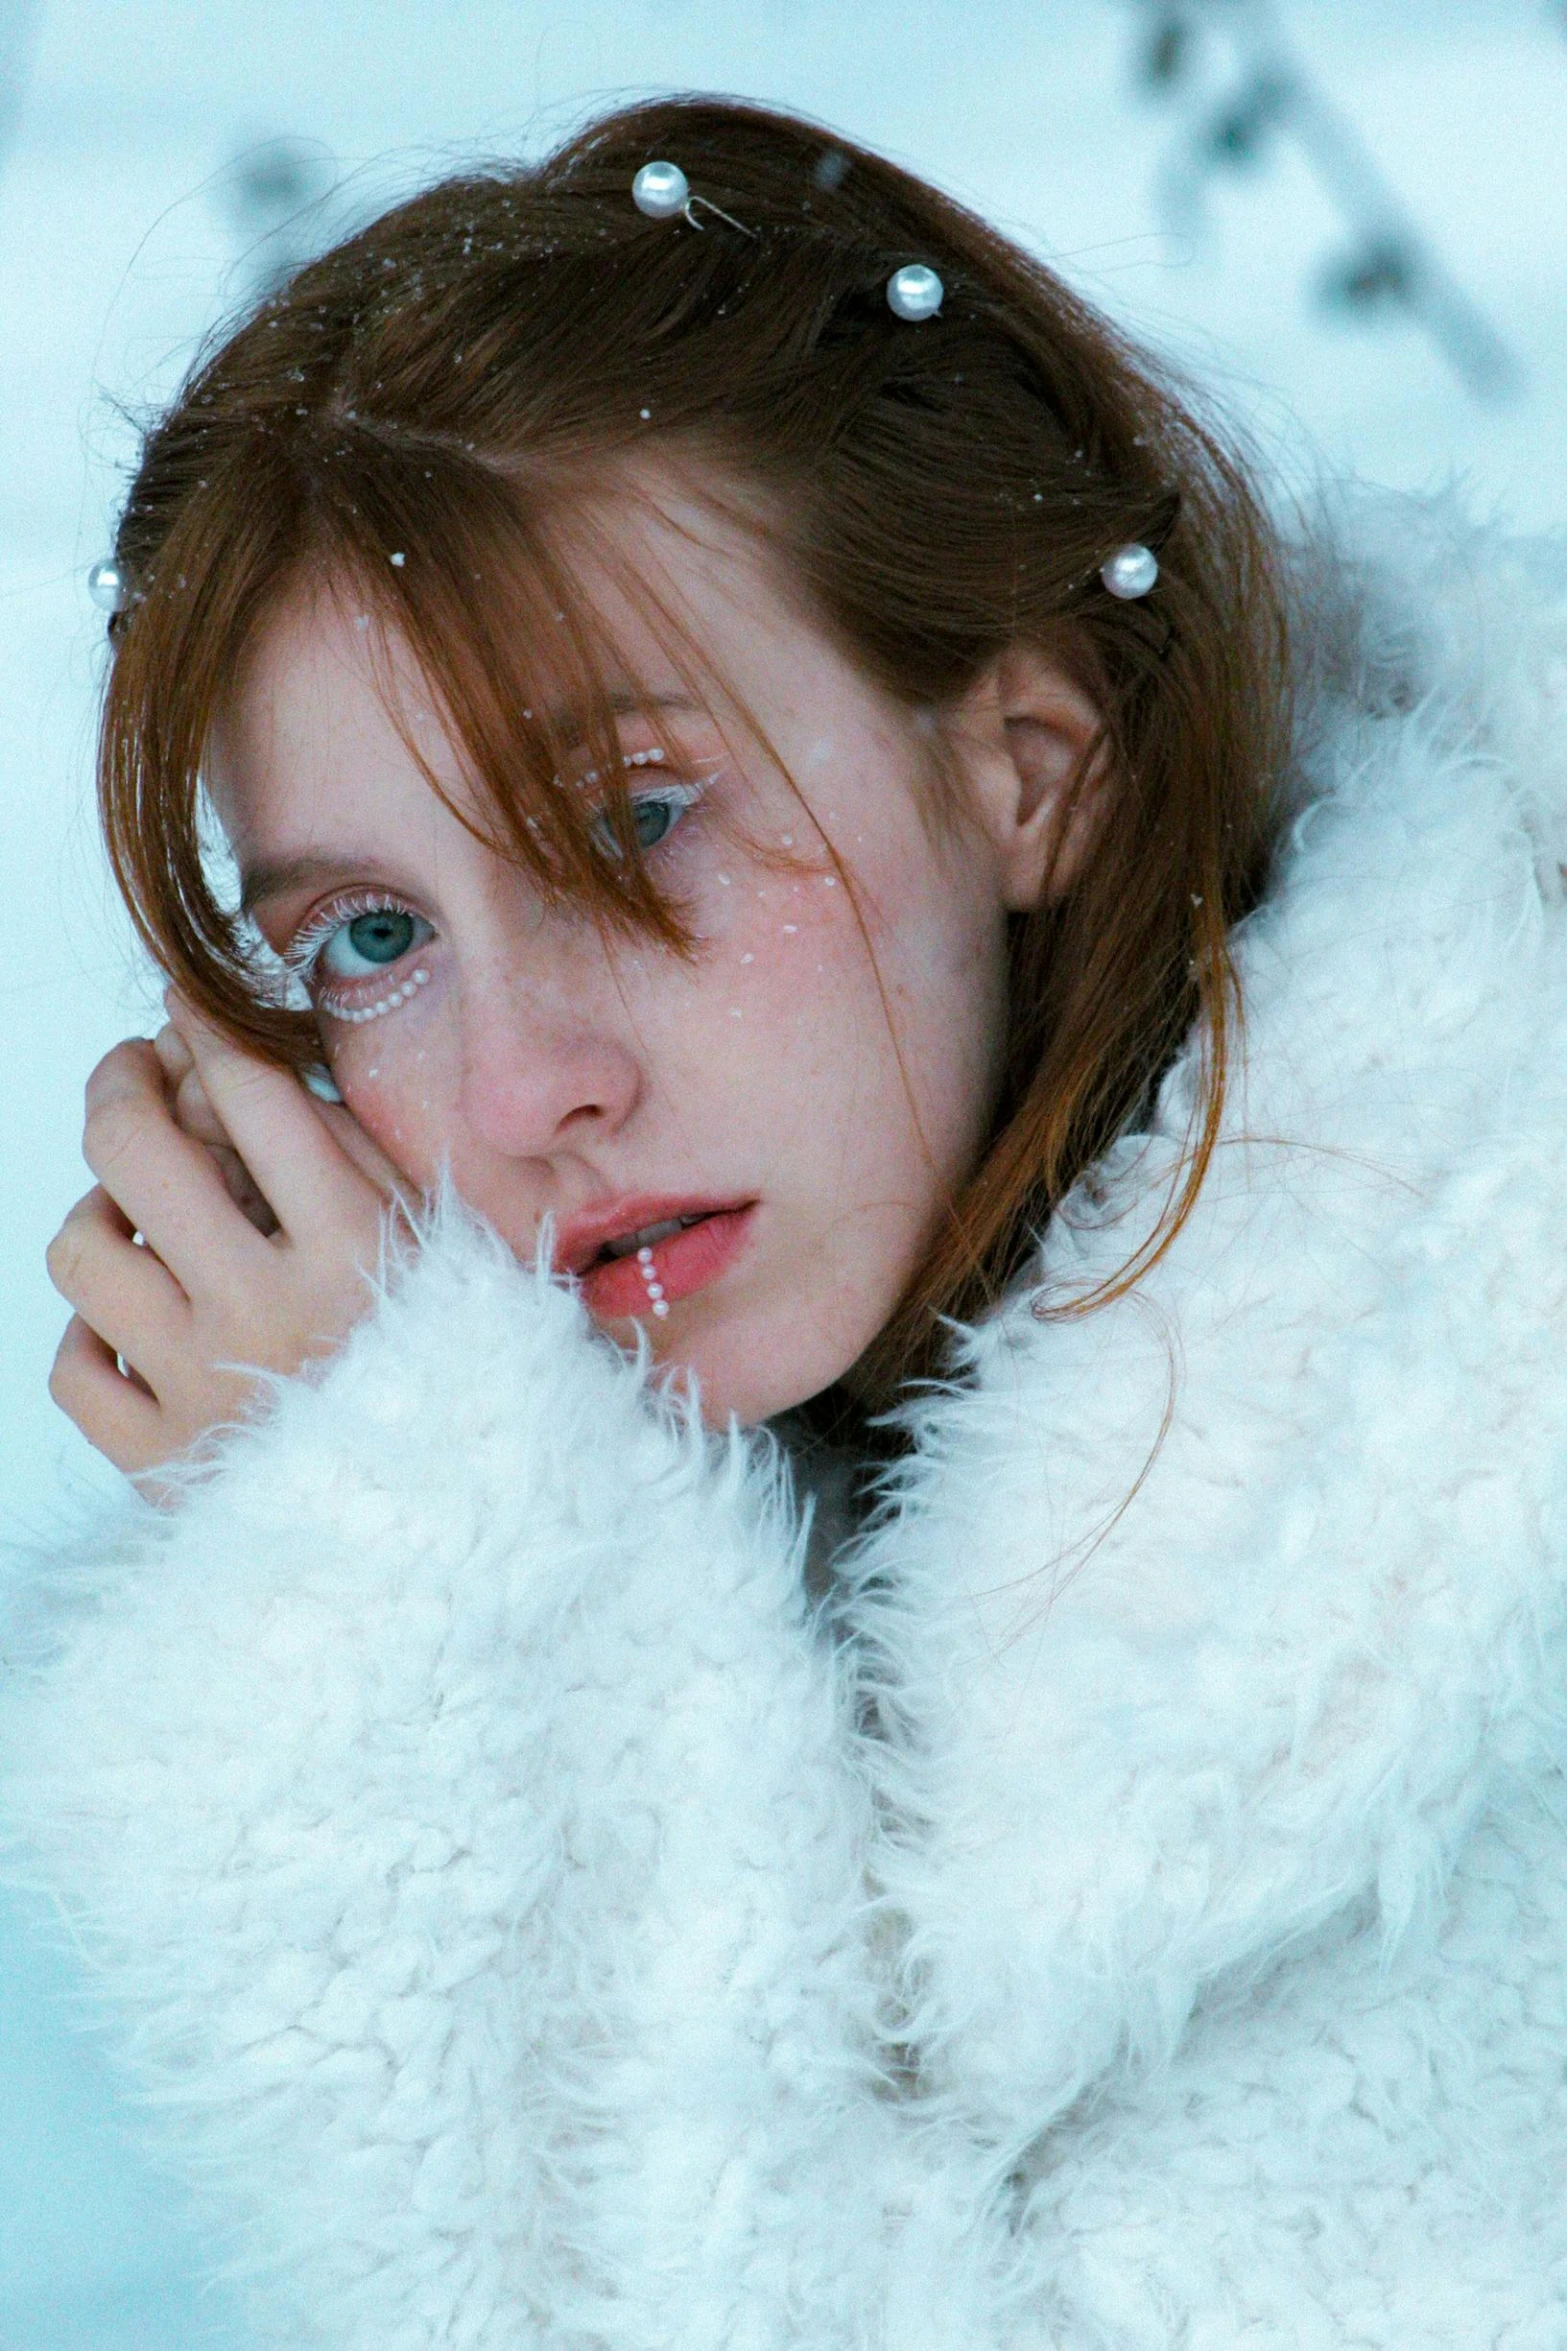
(124, 232)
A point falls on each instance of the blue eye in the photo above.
(654, 816)
(381, 938)
(369, 942)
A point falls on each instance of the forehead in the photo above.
(673, 562)
(689, 611)
(312, 722)
(688, 574)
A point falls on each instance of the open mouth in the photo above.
(648, 1237)
(646, 1272)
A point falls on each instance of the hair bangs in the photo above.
(452, 561)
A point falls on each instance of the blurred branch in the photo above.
(1387, 264)
(276, 197)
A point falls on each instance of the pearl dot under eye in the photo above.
(383, 936)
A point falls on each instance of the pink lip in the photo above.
(579, 1240)
(670, 1270)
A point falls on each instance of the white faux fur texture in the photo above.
(453, 1798)
(469, 1824)
(1222, 1745)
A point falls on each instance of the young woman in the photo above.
(845, 886)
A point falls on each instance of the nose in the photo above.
(541, 1076)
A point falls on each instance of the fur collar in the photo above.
(1213, 1616)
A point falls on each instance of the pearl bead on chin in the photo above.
(914, 291)
(661, 190)
(1130, 572)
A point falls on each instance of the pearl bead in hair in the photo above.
(914, 291)
(108, 586)
(661, 190)
(1130, 572)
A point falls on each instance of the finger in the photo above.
(174, 1055)
(121, 1292)
(365, 1153)
(168, 1186)
(243, 1190)
(194, 1114)
(113, 1414)
(302, 1170)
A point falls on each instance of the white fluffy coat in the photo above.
(1134, 1916)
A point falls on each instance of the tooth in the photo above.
(652, 1234)
(649, 1236)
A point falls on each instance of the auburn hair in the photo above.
(453, 381)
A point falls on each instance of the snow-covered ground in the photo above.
(122, 239)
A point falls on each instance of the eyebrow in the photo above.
(622, 702)
(275, 877)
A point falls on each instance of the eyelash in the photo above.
(679, 796)
(343, 1000)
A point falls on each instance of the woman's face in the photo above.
(746, 1153)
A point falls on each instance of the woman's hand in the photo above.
(259, 1214)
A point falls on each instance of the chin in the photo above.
(734, 1380)
(753, 1382)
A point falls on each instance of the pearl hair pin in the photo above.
(914, 291)
(662, 192)
(1130, 572)
(108, 586)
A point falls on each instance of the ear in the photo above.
(1031, 743)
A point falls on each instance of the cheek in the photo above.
(399, 1077)
(913, 939)
(782, 956)
(794, 919)
(887, 1040)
